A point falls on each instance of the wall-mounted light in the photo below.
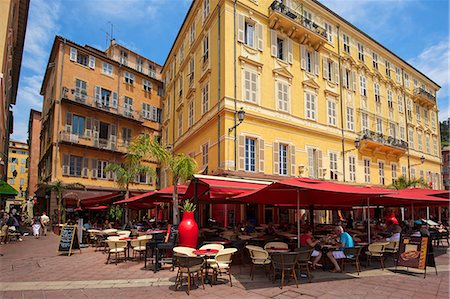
(240, 116)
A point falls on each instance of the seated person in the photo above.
(396, 231)
(107, 224)
(307, 240)
(270, 229)
(345, 241)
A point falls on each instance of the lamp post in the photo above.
(240, 116)
(422, 160)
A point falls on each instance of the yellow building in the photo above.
(322, 99)
(18, 168)
(95, 103)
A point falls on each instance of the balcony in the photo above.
(423, 97)
(377, 143)
(296, 26)
(88, 141)
(80, 97)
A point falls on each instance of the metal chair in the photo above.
(303, 261)
(282, 262)
(352, 257)
(376, 250)
(139, 246)
(259, 257)
(222, 263)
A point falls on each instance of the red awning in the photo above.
(134, 198)
(149, 199)
(221, 189)
(419, 197)
(100, 200)
(97, 208)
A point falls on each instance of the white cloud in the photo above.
(122, 10)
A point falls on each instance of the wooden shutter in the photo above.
(69, 122)
(97, 94)
(325, 73)
(241, 28)
(354, 80)
(73, 54)
(336, 72)
(344, 77)
(88, 129)
(66, 165)
(115, 100)
(319, 162)
(276, 158)
(293, 165)
(96, 132)
(85, 170)
(241, 152)
(92, 62)
(113, 136)
(302, 57)
(261, 155)
(273, 43)
(316, 63)
(94, 168)
(311, 163)
(259, 36)
(289, 51)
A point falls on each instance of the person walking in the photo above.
(44, 222)
(36, 227)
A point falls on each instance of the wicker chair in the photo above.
(259, 257)
(303, 261)
(181, 250)
(116, 247)
(376, 250)
(212, 246)
(124, 233)
(352, 257)
(139, 246)
(222, 263)
(189, 266)
(276, 245)
(282, 262)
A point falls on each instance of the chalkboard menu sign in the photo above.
(68, 240)
(416, 252)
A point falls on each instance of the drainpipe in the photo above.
(174, 103)
(406, 123)
(58, 113)
(235, 88)
(341, 103)
(218, 87)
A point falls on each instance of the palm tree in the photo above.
(181, 167)
(404, 183)
(59, 187)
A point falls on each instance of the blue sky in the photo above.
(416, 30)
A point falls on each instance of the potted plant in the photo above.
(188, 228)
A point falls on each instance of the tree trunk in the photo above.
(176, 218)
(58, 199)
(126, 209)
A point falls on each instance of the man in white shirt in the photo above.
(44, 222)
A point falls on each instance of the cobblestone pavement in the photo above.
(31, 269)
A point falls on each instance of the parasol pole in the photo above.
(428, 215)
(368, 220)
(298, 218)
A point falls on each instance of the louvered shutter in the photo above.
(293, 165)
(344, 77)
(336, 72)
(289, 51)
(113, 137)
(316, 63)
(302, 57)
(94, 168)
(319, 162)
(92, 62)
(66, 165)
(325, 73)
(88, 130)
(261, 155)
(273, 43)
(311, 167)
(69, 122)
(73, 54)
(97, 94)
(241, 28)
(241, 152)
(276, 158)
(115, 100)
(96, 132)
(354, 80)
(259, 36)
(85, 170)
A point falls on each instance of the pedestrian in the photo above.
(44, 222)
(4, 228)
(36, 227)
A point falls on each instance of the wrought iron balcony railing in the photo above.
(380, 138)
(419, 91)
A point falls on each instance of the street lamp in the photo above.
(422, 160)
(241, 116)
(357, 143)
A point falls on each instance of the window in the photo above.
(333, 166)
(192, 33)
(406, 80)
(346, 42)
(397, 74)
(413, 173)
(362, 85)
(128, 106)
(146, 85)
(142, 178)
(205, 9)
(310, 106)
(22, 182)
(379, 125)
(418, 113)
(22, 169)
(129, 78)
(126, 136)
(376, 88)
(107, 69)
(75, 165)
(427, 143)
(83, 59)
(77, 125)
(329, 32)
(250, 154)
(151, 70)
(364, 122)
(283, 96)
(400, 103)
(280, 49)
(381, 172)
(249, 34)
(205, 152)
(314, 163)
(408, 108)
(180, 123)
(250, 86)
(425, 116)
(205, 48)
(361, 52)
(402, 133)
(151, 113)
(205, 99)
(331, 108)
(11, 181)
(389, 99)
(160, 91)
(139, 65)
(80, 90)
(191, 113)
(101, 166)
(394, 172)
(411, 138)
(350, 119)
(330, 70)
(283, 159)
(404, 171)
(392, 130)
(388, 68)
(123, 58)
(419, 141)
(191, 71)
(352, 168)
(366, 170)
(180, 87)
(375, 60)
(433, 120)
(105, 97)
(23, 161)
(347, 78)
(435, 146)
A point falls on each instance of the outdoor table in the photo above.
(128, 244)
(222, 242)
(277, 249)
(154, 243)
(206, 253)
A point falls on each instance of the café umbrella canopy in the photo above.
(7, 190)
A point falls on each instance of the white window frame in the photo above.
(329, 31)
(365, 125)
(375, 60)
(250, 85)
(128, 78)
(107, 69)
(249, 166)
(331, 112)
(361, 52)
(205, 98)
(310, 105)
(283, 95)
(146, 85)
(346, 43)
(411, 138)
(419, 141)
(205, 154)
(191, 113)
(400, 103)
(283, 159)
(381, 176)
(352, 168)
(379, 125)
(333, 159)
(350, 119)
(180, 123)
(366, 163)
(205, 10)
(394, 172)
(363, 85)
